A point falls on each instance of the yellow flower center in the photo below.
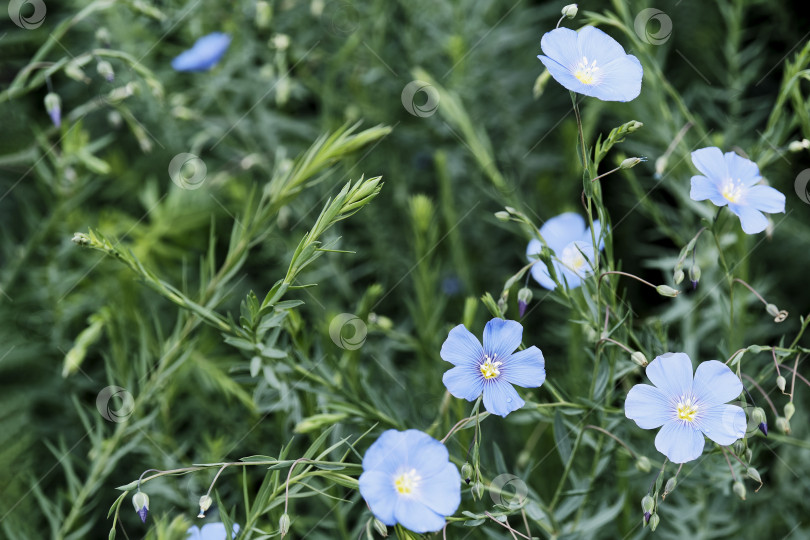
(573, 259)
(489, 369)
(585, 72)
(687, 409)
(407, 482)
(732, 190)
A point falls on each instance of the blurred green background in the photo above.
(294, 71)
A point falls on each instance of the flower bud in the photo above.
(753, 474)
(264, 12)
(678, 276)
(739, 489)
(205, 503)
(631, 162)
(53, 104)
(748, 455)
(781, 382)
(755, 349)
(783, 425)
(647, 516)
(739, 447)
(643, 464)
(796, 146)
(103, 36)
(467, 472)
(694, 275)
(105, 69)
(763, 427)
(660, 165)
(141, 503)
(647, 504)
(666, 290)
(380, 527)
(654, 520)
(570, 11)
(284, 524)
(790, 410)
(502, 216)
(758, 415)
(639, 358)
(633, 125)
(670, 486)
(524, 297)
(478, 491)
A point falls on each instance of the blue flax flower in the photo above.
(591, 63)
(686, 408)
(205, 53)
(408, 479)
(570, 241)
(729, 179)
(492, 369)
(210, 531)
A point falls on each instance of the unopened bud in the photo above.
(631, 162)
(524, 297)
(284, 524)
(694, 275)
(643, 464)
(647, 516)
(660, 165)
(666, 290)
(105, 69)
(796, 146)
(53, 104)
(467, 472)
(783, 425)
(141, 503)
(570, 11)
(654, 520)
(380, 527)
(670, 486)
(264, 12)
(748, 455)
(781, 382)
(103, 36)
(639, 358)
(763, 427)
(647, 503)
(633, 125)
(790, 410)
(755, 349)
(205, 503)
(758, 415)
(478, 491)
(502, 216)
(678, 276)
(739, 489)
(753, 474)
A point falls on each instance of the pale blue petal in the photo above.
(648, 406)
(723, 424)
(205, 53)
(742, 169)
(715, 383)
(561, 230)
(540, 274)
(679, 441)
(594, 44)
(620, 80)
(387, 452)
(672, 374)
(461, 347)
(441, 492)
(193, 533)
(501, 338)
(464, 382)
(765, 199)
(525, 368)
(216, 531)
(565, 76)
(752, 220)
(711, 163)
(704, 188)
(501, 398)
(416, 517)
(573, 280)
(427, 455)
(378, 491)
(533, 249)
(561, 46)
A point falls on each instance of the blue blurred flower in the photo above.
(492, 369)
(591, 63)
(686, 408)
(729, 179)
(408, 479)
(205, 53)
(210, 531)
(572, 245)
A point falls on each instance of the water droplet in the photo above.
(509, 400)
